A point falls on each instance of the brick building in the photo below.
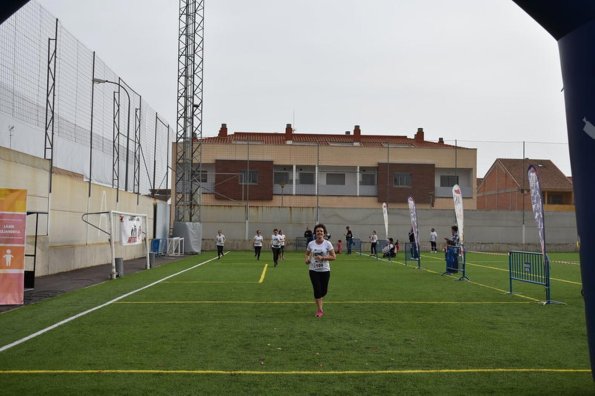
(505, 186)
(332, 170)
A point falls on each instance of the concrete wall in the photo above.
(483, 230)
(65, 242)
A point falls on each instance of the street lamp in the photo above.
(102, 81)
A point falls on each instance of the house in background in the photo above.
(505, 186)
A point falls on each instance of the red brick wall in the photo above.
(227, 182)
(500, 191)
(422, 183)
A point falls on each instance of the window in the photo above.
(555, 198)
(335, 179)
(306, 177)
(448, 181)
(281, 178)
(200, 176)
(367, 179)
(402, 179)
(249, 177)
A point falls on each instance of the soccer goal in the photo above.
(124, 229)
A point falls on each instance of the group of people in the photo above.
(277, 245)
(320, 252)
(392, 248)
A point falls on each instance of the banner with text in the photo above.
(13, 219)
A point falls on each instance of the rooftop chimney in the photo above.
(223, 130)
(288, 133)
(347, 132)
(419, 136)
(357, 134)
(441, 140)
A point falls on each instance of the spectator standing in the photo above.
(308, 235)
(373, 242)
(220, 242)
(452, 250)
(348, 239)
(413, 244)
(454, 236)
(433, 238)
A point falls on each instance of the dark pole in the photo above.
(102, 81)
(572, 24)
(91, 128)
(155, 156)
(127, 136)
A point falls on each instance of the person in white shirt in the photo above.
(258, 238)
(433, 238)
(220, 242)
(373, 243)
(275, 246)
(319, 253)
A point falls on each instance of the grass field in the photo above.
(240, 326)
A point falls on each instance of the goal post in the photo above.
(125, 228)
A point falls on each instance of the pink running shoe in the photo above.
(319, 314)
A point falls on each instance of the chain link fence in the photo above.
(104, 131)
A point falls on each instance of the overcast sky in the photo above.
(481, 72)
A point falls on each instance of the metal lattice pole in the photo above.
(189, 113)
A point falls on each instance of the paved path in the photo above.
(52, 285)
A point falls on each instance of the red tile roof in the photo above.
(550, 177)
(276, 138)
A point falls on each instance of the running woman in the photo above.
(319, 253)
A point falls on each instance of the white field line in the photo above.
(474, 283)
(88, 311)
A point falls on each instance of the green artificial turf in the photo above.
(230, 326)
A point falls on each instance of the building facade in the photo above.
(505, 186)
(332, 170)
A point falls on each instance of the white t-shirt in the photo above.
(258, 240)
(433, 236)
(220, 240)
(282, 239)
(275, 241)
(317, 251)
(373, 238)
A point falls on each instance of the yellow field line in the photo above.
(567, 281)
(504, 291)
(329, 302)
(307, 372)
(264, 271)
(209, 282)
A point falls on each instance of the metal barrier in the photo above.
(456, 262)
(530, 267)
(412, 253)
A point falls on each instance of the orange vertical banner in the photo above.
(13, 220)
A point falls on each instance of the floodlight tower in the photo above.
(187, 149)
